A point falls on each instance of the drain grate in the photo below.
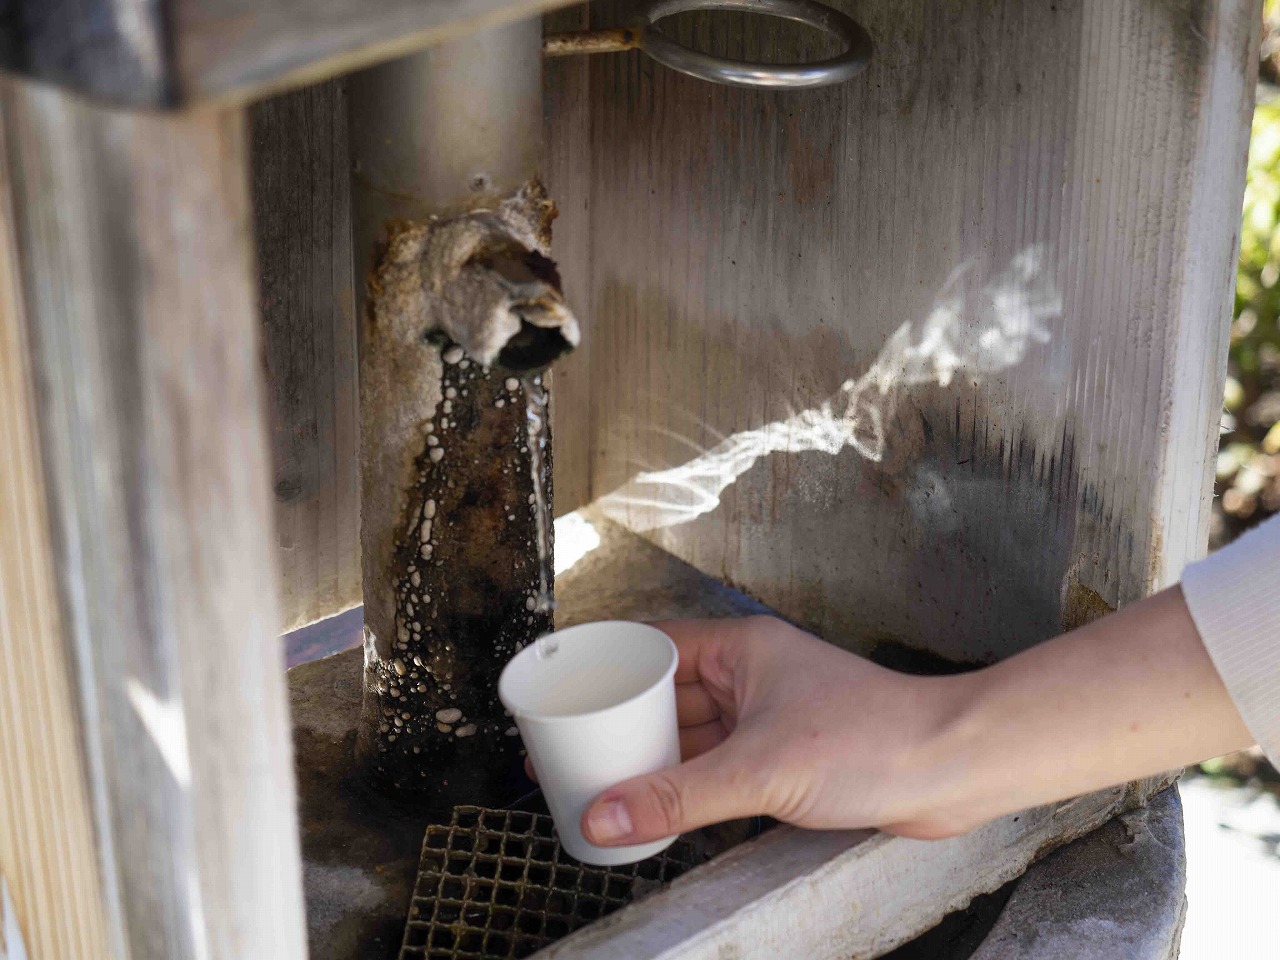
(495, 885)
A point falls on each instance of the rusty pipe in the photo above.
(454, 229)
(453, 134)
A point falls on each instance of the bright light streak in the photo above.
(974, 329)
(575, 538)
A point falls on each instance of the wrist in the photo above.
(954, 761)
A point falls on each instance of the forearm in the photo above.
(1128, 696)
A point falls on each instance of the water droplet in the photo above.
(449, 715)
(499, 403)
(512, 731)
(452, 355)
(437, 454)
(429, 509)
(511, 383)
(465, 731)
(450, 393)
(398, 666)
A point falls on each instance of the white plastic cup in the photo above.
(596, 705)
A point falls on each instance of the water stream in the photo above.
(537, 414)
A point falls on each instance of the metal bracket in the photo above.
(645, 36)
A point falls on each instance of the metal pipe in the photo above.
(455, 229)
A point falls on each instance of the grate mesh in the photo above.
(495, 885)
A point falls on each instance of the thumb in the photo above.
(708, 789)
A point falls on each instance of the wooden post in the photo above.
(135, 281)
(48, 865)
(302, 222)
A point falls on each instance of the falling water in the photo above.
(537, 414)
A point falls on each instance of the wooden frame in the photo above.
(131, 279)
(1113, 133)
(832, 895)
(173, 53)
(776, 247)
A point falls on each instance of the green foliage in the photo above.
(1249, 457)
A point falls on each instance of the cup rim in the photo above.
(531, 650)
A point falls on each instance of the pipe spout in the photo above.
(483, 280)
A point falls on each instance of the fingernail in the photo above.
(608, 821)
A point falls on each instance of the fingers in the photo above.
(709, 789)
(694, 705)
(695, 741)
(700, 643)
(528, 769)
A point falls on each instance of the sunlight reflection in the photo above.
(974, 329)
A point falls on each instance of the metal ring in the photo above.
(740, 73)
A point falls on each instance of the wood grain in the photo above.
(134, 246)
(302, 224)
(239, 48)
(48, 860)
(831, 895)
(751, 251)
(566, 166)
(174, 53)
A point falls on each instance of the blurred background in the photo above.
(1232, 804)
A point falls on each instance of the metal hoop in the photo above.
(740, 73)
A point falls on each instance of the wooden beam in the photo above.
(773, 896)
(833, 895)
(173, 53)
(302, 222)
(566, 163)
(48, 862)
(133, 245)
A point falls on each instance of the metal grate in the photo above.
(495, 885)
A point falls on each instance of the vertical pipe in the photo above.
(447, 140)
(456, 127)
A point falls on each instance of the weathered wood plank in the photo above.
(832, 895)
(566, 169)
(48, 862)
(171, 53)
(112, 49)
(302, 219)
(238, 47)
(134, 243)
(750, 252)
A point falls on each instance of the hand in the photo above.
(774, 721)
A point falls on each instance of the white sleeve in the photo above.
(1234, 599)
